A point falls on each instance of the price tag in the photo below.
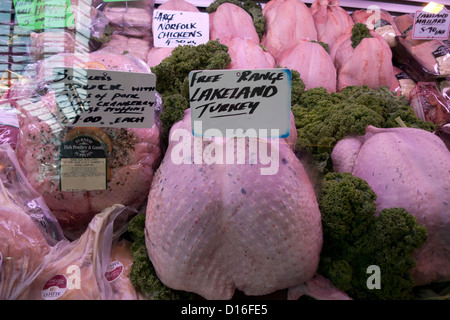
(431, 25)
(173, 28)
(103, 98)
(249, 100)
(41, 14)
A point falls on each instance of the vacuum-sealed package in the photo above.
(405, 82)
(429, 104)
(79, 270)
(28, 230)
(79, 171)
(426, 60)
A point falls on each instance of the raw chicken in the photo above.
(370, 63)
(407, 168)
(330, 20)
(247, 54)
(312, 62)
(133, 154)
(128, 45)
(380, 21)
(287, 22)
(155, 54)
(229, 227)
(230, 21)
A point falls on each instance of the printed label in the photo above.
(431, 26)
(83, 165)
(114, 271)
(103, 98)
(381, 23)
(54, 288)
(229, 100)
(41, 14)
(174, 28)
(402, 75)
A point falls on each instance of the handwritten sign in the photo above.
(41, 14)
(229, 100)
(431, 25)
(174, 28)
(103, 98)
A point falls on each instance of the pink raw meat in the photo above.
(370, 63)
(330, 20)
(247, 54)
(230, 21)
(407, 168)
(312, 62)
(229, 227)
(287, 22)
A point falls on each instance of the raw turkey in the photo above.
(407, 168)
(156, 54)
(230, 21)
(247, 54)
(133, 154)
(380, 21)
(229, 227)
(330, 20)
(370, 63)
(287, 22)
(313, 63)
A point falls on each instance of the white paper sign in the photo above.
(173, 28)
(103, 98)
(249, 100)
(431, 26)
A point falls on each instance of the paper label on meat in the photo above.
(257, 102)
(442, 56)
(174, 28)
(431, 25)
(114, 271)
(104, 98)
(83, 165)
(54, 288)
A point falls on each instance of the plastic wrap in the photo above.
(132, 154)
(76, 270)
(379, 21)
(425, 60)
(405, 83)
(28, 230)
(429, 104)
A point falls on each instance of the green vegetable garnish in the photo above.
(359, 32)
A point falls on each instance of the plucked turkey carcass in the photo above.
(407, 168)
(247, 54)
(287, 22)
(330, 20)
(158, 54)
(230, 21)
(230, 227)
(132, 153)
(369, 63)
(313, 62)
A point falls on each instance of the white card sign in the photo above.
(173, 28)
(431, 25)
(248, 100)
(103, 98)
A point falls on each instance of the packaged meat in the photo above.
(9, 125)
(80, 269)
(132, 154)
(405, 83)
(380, 21)
(363, 57)
(314, 64)
(28, 230)
(426, 60)
(330, 20)
(429, 104)
(230, 227)
(287, 22)
(444, 133)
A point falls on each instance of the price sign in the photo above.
(431, 25)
